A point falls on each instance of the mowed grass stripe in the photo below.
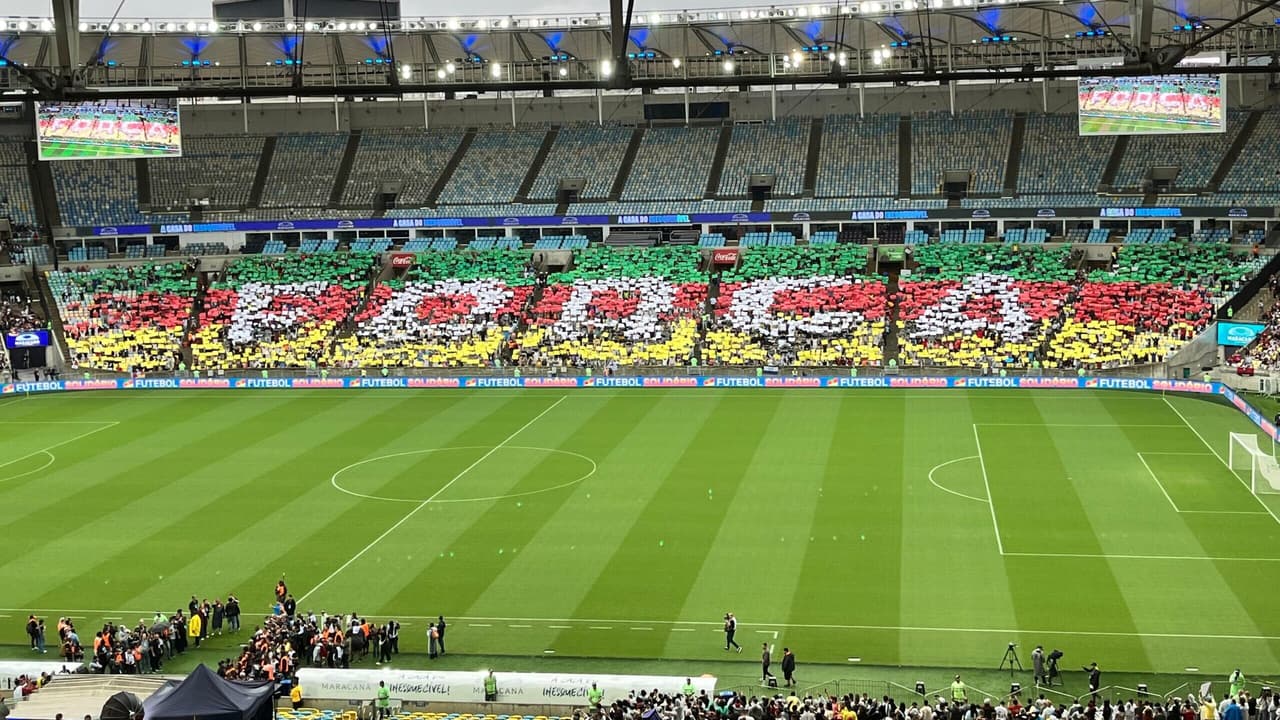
(295, 495)
(95, 479)
(1040, 510)
(767, 528)
(855, 533)
(561, 563)
(947, 539)
(513, 524)
(361, 522)
(203, 489)
(678, 515)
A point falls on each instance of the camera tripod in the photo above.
(1011, 659)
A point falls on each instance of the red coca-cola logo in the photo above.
(725, 257)
(402, 260)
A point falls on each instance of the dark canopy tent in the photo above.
(205, 696)
(122, 706)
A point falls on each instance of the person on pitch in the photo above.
(730, 627)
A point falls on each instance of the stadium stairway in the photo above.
(40, 174)
(1014, 164)
(812, 158)
(717, 161)
(264, 169)
(624, 168)
(446, 173)
(904, 156)
(344, 169)
(1233, 152)
(535, 167)
(55, 318)
(891, 321)
(142, 171)
(1112, 168)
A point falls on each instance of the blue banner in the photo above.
(1236, 334)
(689, 381)
(27, 339)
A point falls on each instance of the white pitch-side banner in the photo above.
(468, 687)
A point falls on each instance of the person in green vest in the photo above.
(759, 372)
(385, 371)
(88, 375)
(364, 372)
(1208, 377)
(853, 371)
(384, 700)
(594, 697)
(265, 374)
(1231, 312)
(490, 687)
(1080, 372)
(1236, 680)
(182, 367)
(515, 372)
(688, 688)
(587, 371)
(195, 374)
(1004, 372)
(958, 694)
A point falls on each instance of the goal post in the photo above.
(1244, 456)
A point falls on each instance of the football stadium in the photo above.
(902, 360)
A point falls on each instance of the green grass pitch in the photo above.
(53, 149)
(923, 528)
(1096, 125)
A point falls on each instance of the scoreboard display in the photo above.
(108, 129)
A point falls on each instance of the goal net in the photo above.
(1263, 472)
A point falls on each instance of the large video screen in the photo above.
(1154, 104)
(108, 129)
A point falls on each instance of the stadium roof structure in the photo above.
(896, 41)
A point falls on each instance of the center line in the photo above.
(424, 503)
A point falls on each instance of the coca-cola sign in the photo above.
(402, 260)
(725, 256)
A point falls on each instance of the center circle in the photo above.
(369, 478)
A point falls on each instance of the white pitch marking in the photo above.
(987, 484)
(81, 436)
(433, 496)
(957, 493)
(1077, 425)
(520, 626)
(647, 629)
(1158, 483)
(333, 479)
(1221, 459)
(1104, 556)
(52, 460)
(560, 627)
(10, 402)
(600, 627)
(717, 625)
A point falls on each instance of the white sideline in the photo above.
(433, 496)
(987, 484)
(692, 625)
(1221, 459)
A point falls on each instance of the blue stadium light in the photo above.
(186, 63)
(4, 63)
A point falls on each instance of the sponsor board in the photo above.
(1236, 334)
(434, 382)
(724, 256)
(684, 382)
(612, 382)
(379, 382)
(90, 385)
(319, 382)
(152, 383)
(468, 687)
(206, 383)
(28, 339)
(986, 382)
(919, 382)
(565, 382)
(268, 382)
(732, 382)
(857, 382)
(402, 260)
(1187, 386)
(1048, 382)
(793, 382)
